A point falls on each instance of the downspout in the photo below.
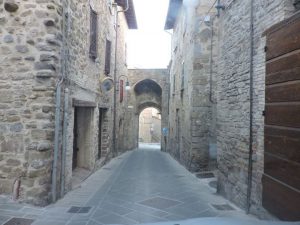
(64, 147)
(56, 138)
(57, 115)
(211, 62)
(66, 26)
(250, 162)
(115, 77)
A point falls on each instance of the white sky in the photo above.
(150, 45)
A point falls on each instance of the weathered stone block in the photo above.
(44, 146)
(49, 22)
(6, 96)
(22, 48)
(18, 127)
(13, 162)
(13, 119)
(44, 66)
(11, 6)
(8, 38)
(45, 74)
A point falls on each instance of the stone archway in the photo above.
(149, 89)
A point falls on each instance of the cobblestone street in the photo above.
(142, 186)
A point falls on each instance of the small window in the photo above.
(126, 55)
(93, 34)
(182, 76)
(174, 87)
(107, 57)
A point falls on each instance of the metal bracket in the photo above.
(219, 7)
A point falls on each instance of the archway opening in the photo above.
(150, 126)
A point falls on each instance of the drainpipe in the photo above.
(250, 162)
(58, 111)
(64, 147)
(56, 139)
(115, 76)
(66, 25)
(211, 62)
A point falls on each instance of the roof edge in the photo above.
(174, 7)
(129, 14)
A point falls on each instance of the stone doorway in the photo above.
(82, 150)
(102, 116)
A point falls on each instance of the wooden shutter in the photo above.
(107, 57)
(93, 34)
(281, 179)
(121, 90)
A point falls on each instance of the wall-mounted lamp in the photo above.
(127, 86)
(219, 7)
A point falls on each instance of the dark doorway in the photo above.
(177, 134)
(83, 137)
(102, 114)
(75, 135)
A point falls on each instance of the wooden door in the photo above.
(281, 179)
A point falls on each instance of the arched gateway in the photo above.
(150, 89)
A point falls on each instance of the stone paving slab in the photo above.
(141, 186)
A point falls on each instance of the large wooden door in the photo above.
(281, 179)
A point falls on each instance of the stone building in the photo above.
(58, 63)
(239, 64)
(191, 109)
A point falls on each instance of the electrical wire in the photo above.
(209, 11)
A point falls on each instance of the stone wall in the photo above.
(190, 111)
(41, 41)
(30, 42)
(233, 93)
(210, 115)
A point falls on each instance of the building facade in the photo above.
(228, 62)
(58, 66)
(192, 104)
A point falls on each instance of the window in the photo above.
(93, 34)
(182, 76)
(107, 57)
(126, 54)
(121, 90)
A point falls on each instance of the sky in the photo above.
(150, 45)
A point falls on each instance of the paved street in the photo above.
(142, 186)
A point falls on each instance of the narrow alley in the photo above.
(141, 186)
(175, 112)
